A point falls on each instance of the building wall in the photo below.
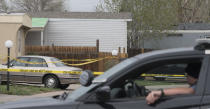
(166, 42)
(13, 27)
(33, 38)
(20, 40)
(69, 32)
(8, 32)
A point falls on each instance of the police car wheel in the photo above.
(51, 81)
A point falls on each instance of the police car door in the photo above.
(35, 64)
(19, 63)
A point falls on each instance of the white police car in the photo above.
(41, 63)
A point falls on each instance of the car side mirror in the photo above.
(86, 78)
(11, 64)
(103, 93)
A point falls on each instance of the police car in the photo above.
(41, 69)
(117, 87)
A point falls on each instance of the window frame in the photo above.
(19, 58)
(199, 89)
(43, 61)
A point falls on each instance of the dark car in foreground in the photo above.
(117, 87)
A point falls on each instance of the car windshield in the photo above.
(79, 92)
(114, 70)
(57, 62)
(102, 78)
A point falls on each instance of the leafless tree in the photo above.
(4, 6)
(39, 5)
(193, 10)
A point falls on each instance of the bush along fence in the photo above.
(84, 57)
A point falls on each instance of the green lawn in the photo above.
(24, 90)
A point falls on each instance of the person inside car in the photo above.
(192, 71)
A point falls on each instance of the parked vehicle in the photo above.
(37, 75)
(117, 87)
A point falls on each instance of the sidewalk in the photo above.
(8, 98)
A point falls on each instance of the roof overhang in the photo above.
(38, 24)
(16, 18)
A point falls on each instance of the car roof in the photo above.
(171, 52)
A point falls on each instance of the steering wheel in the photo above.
(142, 90)
(133, 90)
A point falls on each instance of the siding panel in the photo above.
(111, 34)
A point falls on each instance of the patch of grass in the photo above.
(24, 90)
(154, 82)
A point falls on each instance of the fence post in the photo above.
(124, 54)
(97, 45)
(119, 52)
(101, 62)
(52, 49)
(142, 50)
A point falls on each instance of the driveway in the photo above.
(7, 98)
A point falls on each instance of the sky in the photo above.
(81, 5)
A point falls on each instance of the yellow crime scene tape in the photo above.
(161, 75)
(40, 71)
(149, 75)
(45, 71)
(78, 72)
(85, 62)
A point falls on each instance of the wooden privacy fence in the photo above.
(134, 51)
(77, 53)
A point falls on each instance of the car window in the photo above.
(170, 69)
(114, 70)
(20, 61)
(37, 62)
(57, 62)
(153, 76)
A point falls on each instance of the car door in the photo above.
(206, 98)
(19, 63)
(172, 102)
(34, 76)
(191, 102)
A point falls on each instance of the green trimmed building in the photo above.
(79, 29)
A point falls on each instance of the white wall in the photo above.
(83, 32)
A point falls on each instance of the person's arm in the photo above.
(155, 95)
